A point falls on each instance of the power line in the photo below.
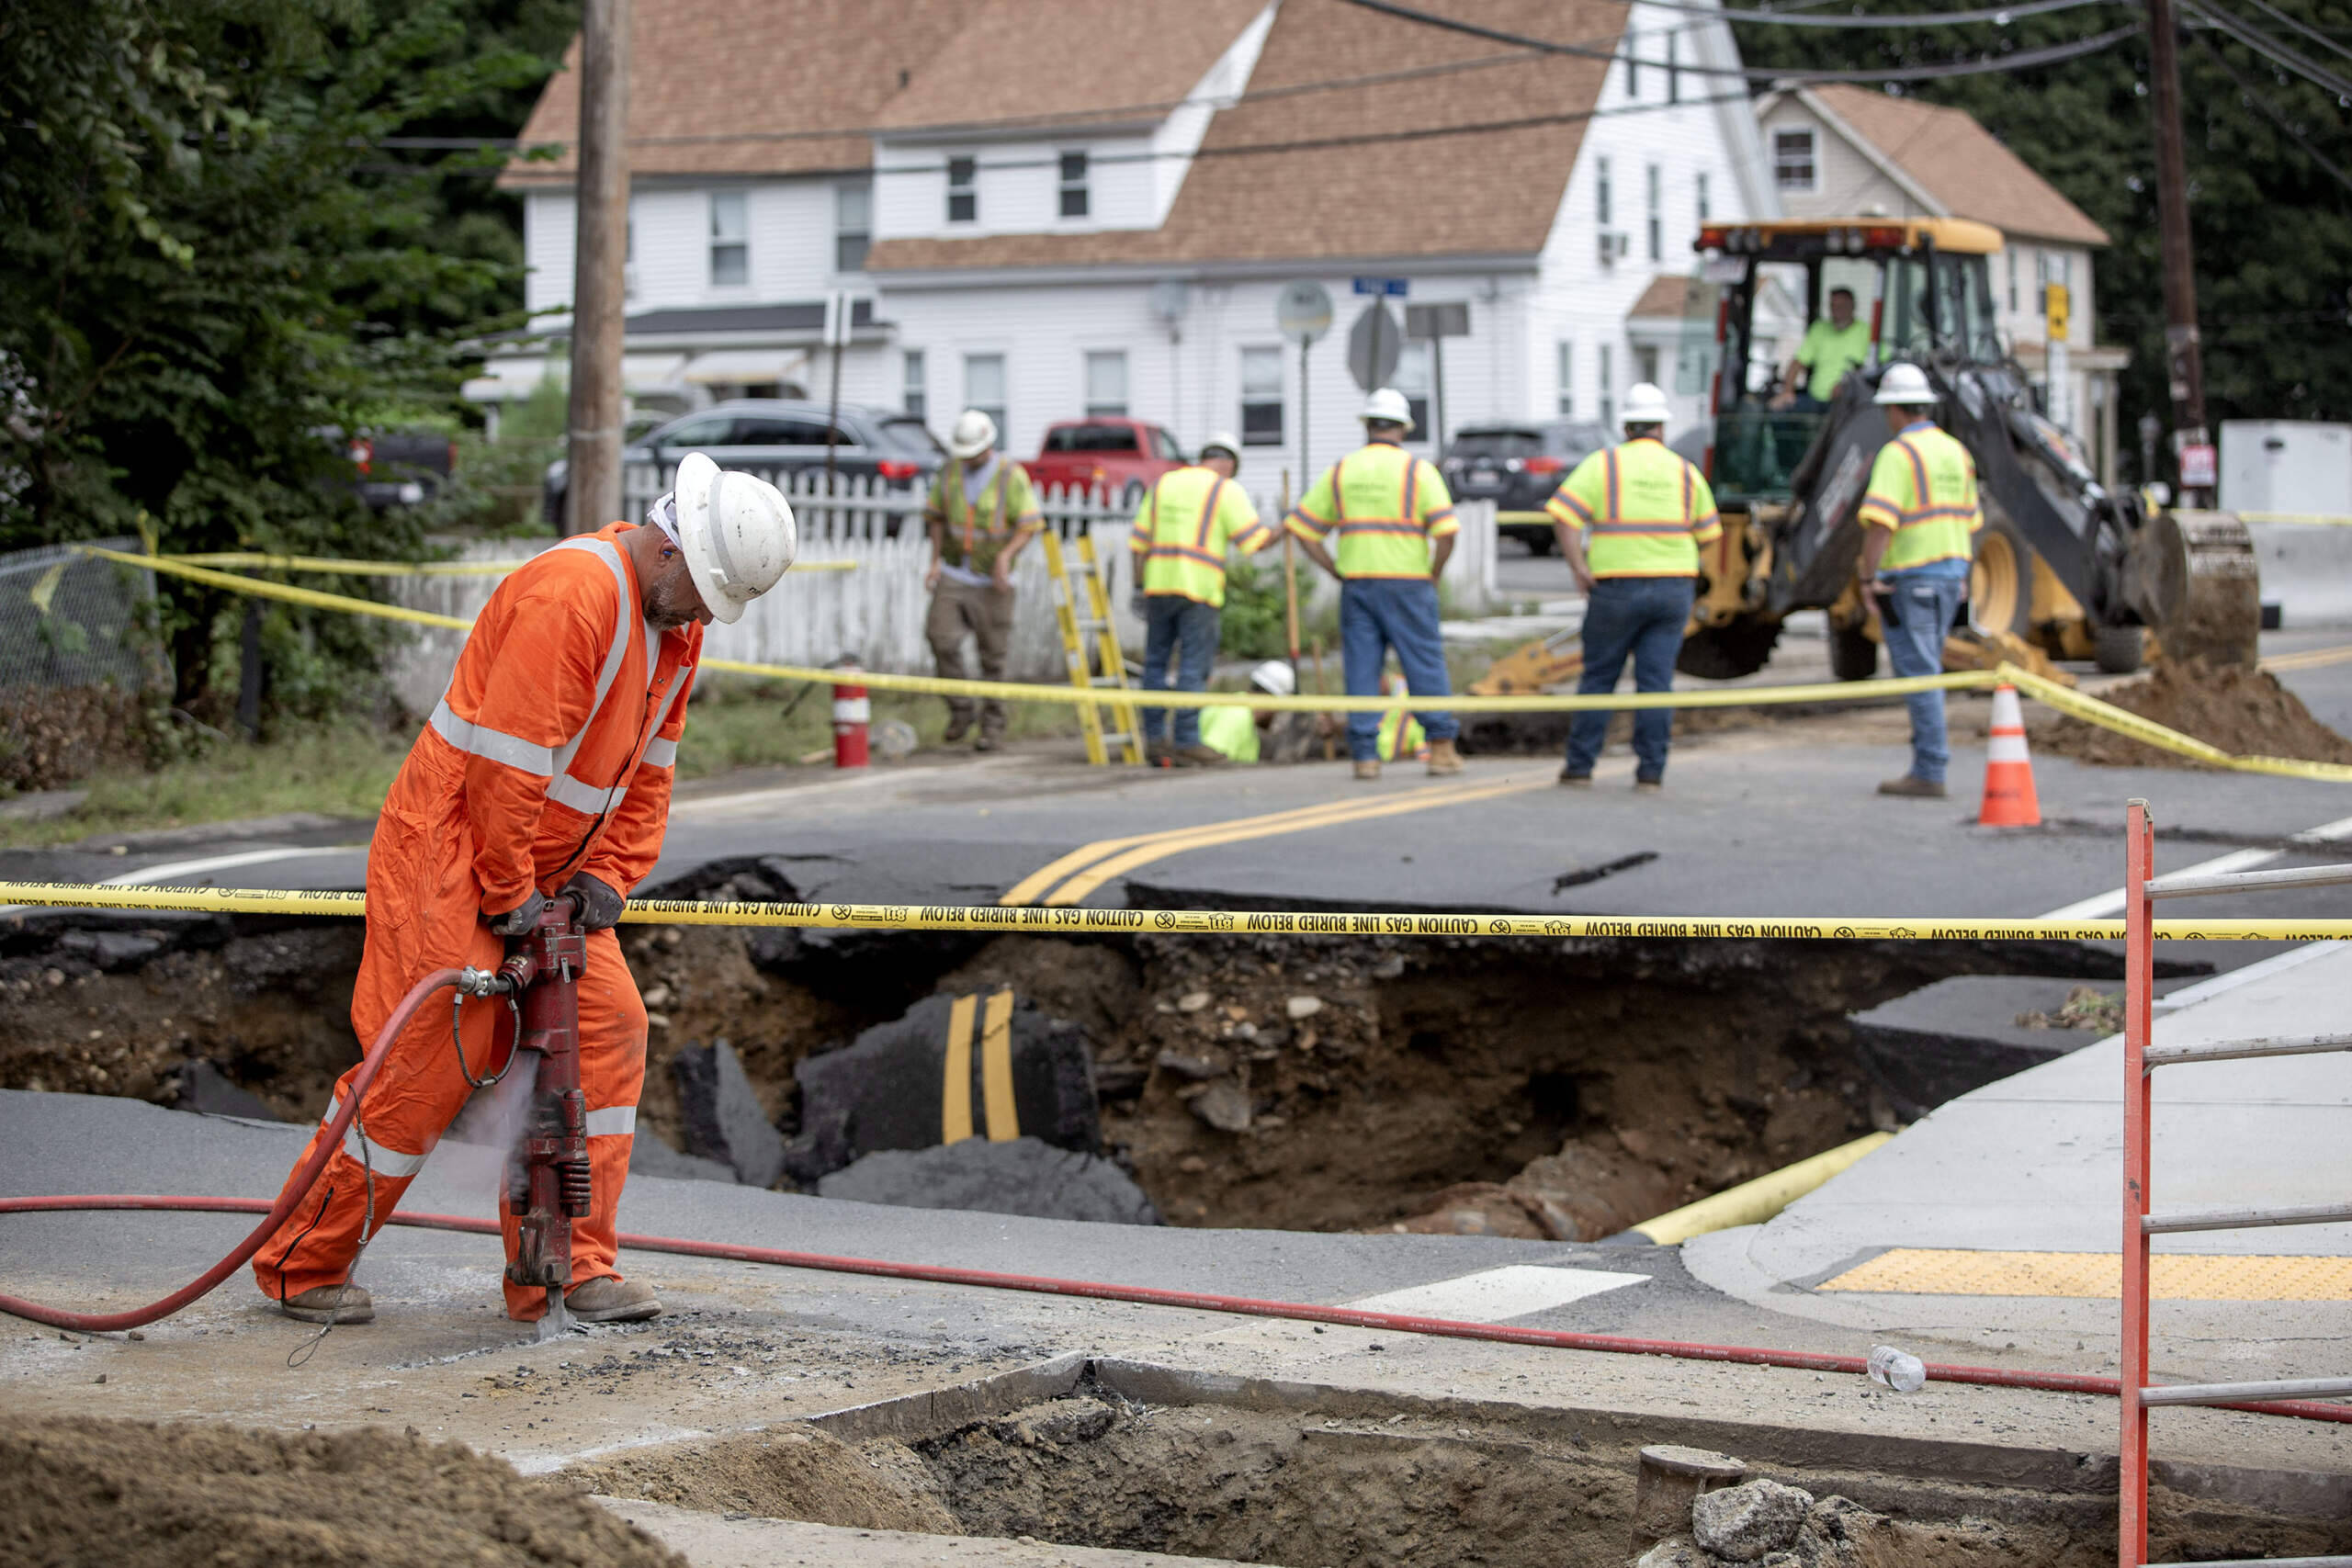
(2277, 53)
(2000, 16)
(2317, 36)
(2020, 60)
(2271, 110)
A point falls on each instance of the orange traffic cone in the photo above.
(2009, 800)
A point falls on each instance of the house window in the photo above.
(1657, 218)
(1703, 199)
(913, 397)
(1633, 66)
(1673, 67)
(1793, 160)
(1106, 383)
(1412, 378)
(1261, 397)
(1646, 363)
(730, 245)
(1608, 392)
(1600, 192)
(1568, 380)
(963, 200)
(853, 225)
(984, 386)
(2013, 280)
(1074, 200)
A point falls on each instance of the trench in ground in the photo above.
(1563, 1089)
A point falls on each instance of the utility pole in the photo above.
(599, 274)
(2184, 367)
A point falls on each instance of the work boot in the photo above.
(1443, 759)
(1575, 781)
(1641, 783)
(1368, 769)
(1913, 785)
(1159, 754)
(330, 1303)
(608, 1300)
(959, 725)
(989, 741)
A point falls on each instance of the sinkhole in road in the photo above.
(1524, 1087)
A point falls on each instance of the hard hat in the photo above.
(1223, 441)
(1645, 404)
(974, 433)
(1905, 386)
(1275, 678)
(736, 532)
(1387, 404)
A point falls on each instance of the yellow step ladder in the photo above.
(1083, 609)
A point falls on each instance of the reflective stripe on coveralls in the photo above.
(563, 700)
(1183, 529)
(1387, 507)
(1923, 487)
(1644, 509)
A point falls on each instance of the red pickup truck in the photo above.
(1121, 455)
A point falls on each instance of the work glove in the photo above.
(1139, 604)
(518, 920)
(599, 906)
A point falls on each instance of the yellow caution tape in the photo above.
(1212, 922)
(333, 565)
(2320, 519)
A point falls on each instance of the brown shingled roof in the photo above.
(1961, 163)
(1667, 295)
(1327, 173)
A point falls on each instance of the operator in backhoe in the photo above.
(1920, 517)
(544, 770)
(1648, 514)
(1830, 348)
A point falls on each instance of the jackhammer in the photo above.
(548, 1181)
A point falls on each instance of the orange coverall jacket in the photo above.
(551, 753)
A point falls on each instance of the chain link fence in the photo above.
(78, 655)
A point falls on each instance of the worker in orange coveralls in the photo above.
(544, 770)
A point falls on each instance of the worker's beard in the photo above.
(671, 602)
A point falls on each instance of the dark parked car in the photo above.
(779, 437)
(396, 468)
(1517, 466)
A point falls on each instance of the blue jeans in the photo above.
(1377, 614)
(1644, 618)
(1916, 617)
(1185, 630)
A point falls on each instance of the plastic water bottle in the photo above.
(1897, 1369)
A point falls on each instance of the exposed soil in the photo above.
(785, 1472)
(94, 1494)
(2236, 707)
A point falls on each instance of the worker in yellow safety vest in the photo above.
(1182, 531)
(1920, 516)
(1395, 522)
(1648, 514)
(981, 512)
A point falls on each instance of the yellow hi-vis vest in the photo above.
(1645, 510)
(978, 530)
(1386, 505)
(1182, 531)
(1923, 486)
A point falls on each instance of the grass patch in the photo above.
(738, 721)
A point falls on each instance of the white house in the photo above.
(1839, 150)
(1053, 208)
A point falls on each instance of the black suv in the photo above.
(1517, 466)
(775, 438)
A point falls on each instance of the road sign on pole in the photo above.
(1394, 288)
(1303, 310)
(1375, 344)
(1435, 323)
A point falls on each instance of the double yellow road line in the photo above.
(1090, 866)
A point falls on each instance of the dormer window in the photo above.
(730, 240)
(1073, 188)
(962, 193)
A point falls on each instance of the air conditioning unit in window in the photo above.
(1613, 246)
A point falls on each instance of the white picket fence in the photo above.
(874, 613)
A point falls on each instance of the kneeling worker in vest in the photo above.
(544, 770)
(1920, 518)
(1266, 735)
(1394, 520)
(1648, 514)
(1182, 530)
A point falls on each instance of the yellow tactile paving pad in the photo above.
(2172, 1277)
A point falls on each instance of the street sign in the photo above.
(2199, 467)
(1303, 310)
(838, 314)
(1374, 346)
(2053, 309)
(1451, 320)
(1392, 287)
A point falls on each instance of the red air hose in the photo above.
(1194, 1301)
(305, 1176)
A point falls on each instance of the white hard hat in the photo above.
(974, 433)
(736, 532)
(1223, 441)
(1645, 404)
(1905, 386)
(1275, 678)
(1387, 404)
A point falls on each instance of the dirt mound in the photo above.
(2242, 710)
(790, 1473)
(135, 1494)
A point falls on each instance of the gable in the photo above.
(1959, 163)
